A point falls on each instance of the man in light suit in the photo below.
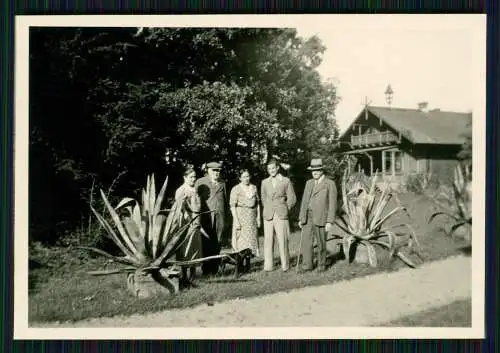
(317, 215)
(213, 195)
(278, 198)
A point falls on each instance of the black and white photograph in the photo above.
(274, 176)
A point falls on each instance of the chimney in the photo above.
(423, 107)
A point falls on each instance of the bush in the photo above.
(418, 183)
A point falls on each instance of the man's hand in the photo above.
(328, 227)
(301, 225)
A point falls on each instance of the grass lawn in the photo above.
(455, 314)
(60, 290)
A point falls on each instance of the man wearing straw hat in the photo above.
(317, 215)
(213, 195)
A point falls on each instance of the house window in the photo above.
(393, 162)
(387, 162)
(398, 162)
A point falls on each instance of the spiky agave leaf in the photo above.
(172, 244)
(124, 202)
(190, 235)
(391, 242)
(396, 253)
(152, 194)
(112, 271)
(380, 222)
(347, 243)
(373, 202)
(344, 226)
(456, 226)
(383, 201)
(187, 236)
(195, 261)
(136, 225)
(135, 235)
(442, 213)
(459, 201)
(151, 214)
(122, 232)
(122, 260)
(174, 221)
(372, 254)
(128, 253)
(159, 218)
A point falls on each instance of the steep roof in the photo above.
(434, 126)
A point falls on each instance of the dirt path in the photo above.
(359, 302)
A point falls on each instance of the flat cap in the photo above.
(214, 165)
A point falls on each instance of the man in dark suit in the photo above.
(213, 195)
(278, 198)
(317, 215)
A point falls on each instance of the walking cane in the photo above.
(300, 248)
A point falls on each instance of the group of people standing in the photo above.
(277, 197)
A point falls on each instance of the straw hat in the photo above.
(316, 164)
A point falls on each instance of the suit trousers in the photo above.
(282, 229)
(212, 246)
(311, 231)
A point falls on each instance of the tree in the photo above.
(122, 102)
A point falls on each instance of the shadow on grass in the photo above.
(331, 259)
(455, 314)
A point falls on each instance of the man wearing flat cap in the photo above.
(213, 195)
(317, 215)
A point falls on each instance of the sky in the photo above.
(430, 61)
(434, 58)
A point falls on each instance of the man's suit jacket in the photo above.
(214, 198)
(279, 199)
(321, 199)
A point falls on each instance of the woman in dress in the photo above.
(245, 208)
(191, 248)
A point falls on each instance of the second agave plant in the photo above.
(366, 218)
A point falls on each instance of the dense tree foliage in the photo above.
(109, 106)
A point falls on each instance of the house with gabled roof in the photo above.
(396, 142)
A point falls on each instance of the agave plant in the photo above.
(146, 234)
(457, 204)
(365, 221)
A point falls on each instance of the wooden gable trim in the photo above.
(351, 125)
(393, 129)
(366, 113)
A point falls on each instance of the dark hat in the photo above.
(214, 165)
(316, 164)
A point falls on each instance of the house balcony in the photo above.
(377, 139)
